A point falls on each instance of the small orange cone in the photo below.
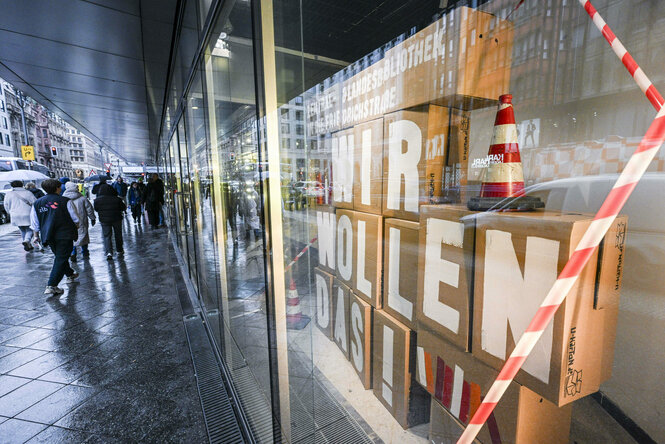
(503, 185)
(295, 319)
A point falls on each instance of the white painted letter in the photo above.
(510, 299)
(365, 167)
(403, 164)
(440, 270)
(340, 324)
(395, 300)
(357, 345)
(322, 302)
(326, 233)
(386, 390)
(342, 157)
(363, 285)
(345, 247)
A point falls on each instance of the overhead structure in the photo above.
(101, 65)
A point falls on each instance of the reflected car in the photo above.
(309, 188)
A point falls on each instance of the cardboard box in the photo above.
(518, 258)
(342, 148)
(463, 59)
(393, 365)
(400, 264)
(360, 339)
(326, 224)
(368, 255)
(368, 167)
(458, 381)
(444, 428)
(608, 287)
(344, 247)
(323, 282)
(407, 135)
(457, 162)
(445, 272)
(477, 59)
(340, 326)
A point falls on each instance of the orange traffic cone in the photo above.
(503, 185)
(295, 319)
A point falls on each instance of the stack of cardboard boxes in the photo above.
(426, 298)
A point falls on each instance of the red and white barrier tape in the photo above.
(299, 255)
(633, 68)
(610, 208)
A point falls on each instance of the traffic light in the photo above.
(54, 151)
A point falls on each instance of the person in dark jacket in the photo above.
(135, 198)
(120, 187)
(54, 219)
(154, 199)
(142, 190)
(103, 181)
(30, 186)
(110, 209)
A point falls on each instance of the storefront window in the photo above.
(331, 204)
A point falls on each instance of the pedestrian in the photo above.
(135, 197)
(103, 180)
(30, 186)
(120, 187)
(110, 209)
(85, 213)
(54, 219)
(142, 191)
(18, 204)
(63, 181)
(154, 200)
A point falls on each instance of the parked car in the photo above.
(4, 217)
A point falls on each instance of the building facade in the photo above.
(7, 148)
(86, 155)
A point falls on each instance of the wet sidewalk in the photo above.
(107, 361)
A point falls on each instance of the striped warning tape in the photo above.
(299, 255)
(610, 208)
(633, 68)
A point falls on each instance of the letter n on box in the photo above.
(445, 272)
(518, 259)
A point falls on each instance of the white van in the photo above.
(15, 168)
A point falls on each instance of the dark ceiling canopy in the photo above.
(101, 65)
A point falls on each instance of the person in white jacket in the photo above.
(85, 213)
(18, 204)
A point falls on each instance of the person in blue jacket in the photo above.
(120, 187)
(54, 219)
(63, 181)
(135, 197)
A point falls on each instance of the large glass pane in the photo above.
(187, 202)
(384, 119)
(391, 304)
(235, 177)
(203, 221)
